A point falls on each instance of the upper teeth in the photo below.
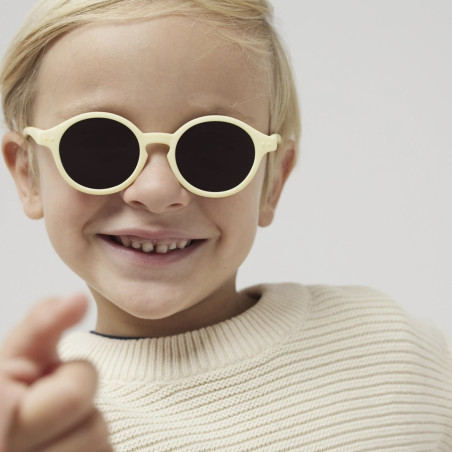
(148, 246)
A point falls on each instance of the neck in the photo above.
(113, 321)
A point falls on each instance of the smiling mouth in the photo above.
(151, 246)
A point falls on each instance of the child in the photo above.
(154, 137)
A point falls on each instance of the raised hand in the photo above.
(47, 405)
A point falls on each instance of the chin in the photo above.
(153, 307)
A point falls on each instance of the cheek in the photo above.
(65, 209)
(242, 207)
(238, 216)
(59, 199)
(64, 216)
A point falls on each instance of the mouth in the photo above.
(151, 246)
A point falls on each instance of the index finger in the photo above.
(32, 345)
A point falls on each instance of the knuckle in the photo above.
(79, 391)
(75, 400)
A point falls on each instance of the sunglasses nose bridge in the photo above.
(156, 138)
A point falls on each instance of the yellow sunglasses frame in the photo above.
(51, 139)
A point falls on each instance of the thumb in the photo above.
(31, 349)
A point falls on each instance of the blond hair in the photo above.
(249, 23)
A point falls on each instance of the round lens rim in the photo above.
(207, 135)
(105, 130)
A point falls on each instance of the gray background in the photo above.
(370, 201)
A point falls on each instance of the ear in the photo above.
(14, 149)
(282, 171)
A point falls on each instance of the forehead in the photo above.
(169, 65)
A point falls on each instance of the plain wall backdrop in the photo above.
(370, 202)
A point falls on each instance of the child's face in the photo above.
(159, 74)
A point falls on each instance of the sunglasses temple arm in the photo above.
(34, 133)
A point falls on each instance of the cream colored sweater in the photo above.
(306, 369)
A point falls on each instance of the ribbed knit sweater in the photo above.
(314, 368)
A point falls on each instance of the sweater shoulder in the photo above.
(367, 318)
(364, 306)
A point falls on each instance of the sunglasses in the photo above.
(103, 153)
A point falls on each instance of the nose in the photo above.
(156, 188)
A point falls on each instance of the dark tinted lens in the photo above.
(99, 152)
(215, 156)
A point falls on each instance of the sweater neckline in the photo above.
(278, 313)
